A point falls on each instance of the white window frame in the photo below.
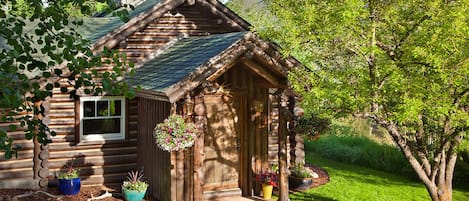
(102, 137)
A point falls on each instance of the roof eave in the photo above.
(153, 95)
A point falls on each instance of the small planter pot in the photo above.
(298, 184)
(69, 186)
(267, 191)
(131, 195)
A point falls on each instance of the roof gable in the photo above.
(138, 22)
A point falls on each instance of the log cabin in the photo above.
(193, 57)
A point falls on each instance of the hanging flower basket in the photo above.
(174, 133)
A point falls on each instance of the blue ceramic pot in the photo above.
(69, 186)
(131, 195)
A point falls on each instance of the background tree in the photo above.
(402, 64)
(41, 48)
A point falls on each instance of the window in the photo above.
(102, 118)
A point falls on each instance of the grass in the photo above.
(347, 146)
(352, 182)
(360, 150)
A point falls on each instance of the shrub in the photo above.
(361, 151)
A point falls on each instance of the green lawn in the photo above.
(351, 182)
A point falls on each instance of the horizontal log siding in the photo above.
(183, 21)
(156, 162)
(98, 163)
(17, 170)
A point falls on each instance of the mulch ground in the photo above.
(323, 176)
(87, 191)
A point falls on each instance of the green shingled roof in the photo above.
(96, 27)
(182, 58)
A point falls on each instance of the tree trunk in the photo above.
(439, 182)
(444, 193)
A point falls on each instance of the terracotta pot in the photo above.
(296, 183)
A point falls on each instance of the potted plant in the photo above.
(134, 188)
(268, 179)
(301, 177)
(69, 182)
(175, 133)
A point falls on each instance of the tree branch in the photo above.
(390, 52)
(460, 96)
(421, 149)
(406, 150)
(412, 29)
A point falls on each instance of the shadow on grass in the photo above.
(309, 197)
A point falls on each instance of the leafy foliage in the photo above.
(311, 125)
(134, 182)
(44, 52)
(299, 170)
(360, 150)
(403, 64)
(71, 173)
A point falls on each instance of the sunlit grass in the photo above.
(352, 182)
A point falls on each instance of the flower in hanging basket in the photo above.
(174, 133)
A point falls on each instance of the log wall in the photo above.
(98, 162)
(18, 172)
(183, 21)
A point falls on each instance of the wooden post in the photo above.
(282, 146)
(173, 172)
(199, 155)
(188, 110)
(188, 178)
(180, 175)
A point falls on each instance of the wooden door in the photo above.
(222, 143)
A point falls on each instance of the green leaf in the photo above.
(49, 86)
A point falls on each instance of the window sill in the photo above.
(101, 142)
